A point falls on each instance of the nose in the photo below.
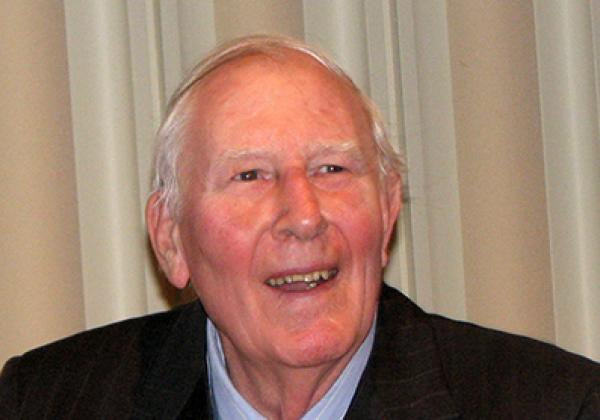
(299, 214)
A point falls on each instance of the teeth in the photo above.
(311, 279)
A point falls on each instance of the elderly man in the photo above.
(276, 195)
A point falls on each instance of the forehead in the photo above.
(259, 98)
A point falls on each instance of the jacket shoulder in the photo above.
(106, 362)
(489, 370)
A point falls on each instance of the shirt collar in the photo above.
(228, 403)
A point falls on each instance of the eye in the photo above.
(251, 175)
(331, 169)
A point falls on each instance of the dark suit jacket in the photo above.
(422, 367)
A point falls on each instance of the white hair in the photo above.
(169, 139)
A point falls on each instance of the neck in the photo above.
(281, 392)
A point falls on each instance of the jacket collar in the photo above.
(404, 377)
(176, 383)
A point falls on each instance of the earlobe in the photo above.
(166, 241)
(391, 206)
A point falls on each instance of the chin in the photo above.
(320, 346)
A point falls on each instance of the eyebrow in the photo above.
(349, 147)
(237, 155)
(318, 148)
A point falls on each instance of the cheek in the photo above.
(359, 218)
(220, 239)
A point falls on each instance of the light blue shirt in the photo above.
(228, 403)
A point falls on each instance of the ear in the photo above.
(166, 241)
(391, 204)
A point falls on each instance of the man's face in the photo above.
(284, 220)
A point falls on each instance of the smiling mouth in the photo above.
(302, 281)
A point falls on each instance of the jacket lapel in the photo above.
(176, 382)
(404, 377)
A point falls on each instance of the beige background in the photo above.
(40, 274)
(501, 165)
(49, 218)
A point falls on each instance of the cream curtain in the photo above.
(568, 51)
(495, 104)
